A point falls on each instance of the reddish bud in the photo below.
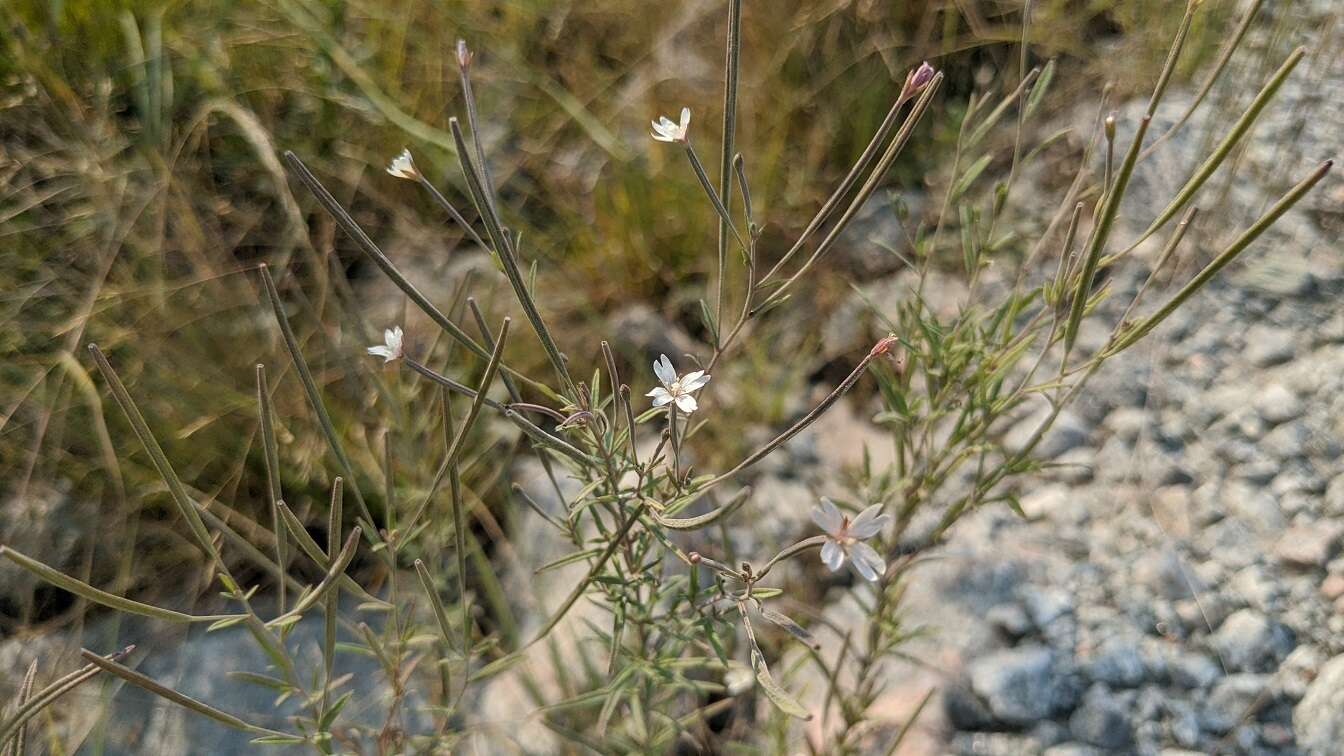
(464, 55)
(883, 346)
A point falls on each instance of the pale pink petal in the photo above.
(832, 555)
(827, 516)
(664, 370)
(694, 381)
(869, 522)
(686, 403)
(867, 561)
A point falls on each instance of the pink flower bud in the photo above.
(883, 346)
(921, 77)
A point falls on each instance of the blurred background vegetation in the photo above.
(140, 184)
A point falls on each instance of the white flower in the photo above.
(402, 166)
(391, 348)
(738, 679)
(843, 538)
(676, 388)
(664, 130)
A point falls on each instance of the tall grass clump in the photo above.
(687, 632)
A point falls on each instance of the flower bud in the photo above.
(921, 77)
(882, 346)
(464, 55)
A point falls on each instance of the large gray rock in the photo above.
(1248, 641)
(639, 326)
(1022, 685)
(1310, 546)
(1318, 719)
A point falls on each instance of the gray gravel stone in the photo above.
(1311, 546)
(1248, 641)
(1118, 663)
(1235, 698)
(1268, 345)
(1023, 685)
(1277, 404)
(1102, 721)
(1318, 719)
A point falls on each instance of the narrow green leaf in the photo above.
(103, 598)
(709, 518)
(788, 625)
(328, 581)
(778, 696)
(571, 558)
(185, 701)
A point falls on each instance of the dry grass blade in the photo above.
(185, 506)
(271, 456)
(310, 389)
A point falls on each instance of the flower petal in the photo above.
(695, 385)
(664, 370)
(827, 516)
(660, 396)
(686, 403)
(381, 351)
(832, 555)
(867, 561)
(869, 522)
(685, 121)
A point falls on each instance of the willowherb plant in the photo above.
(683, 634)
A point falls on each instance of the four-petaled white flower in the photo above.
(844, 536)
(403, 166)
(391, 348)
(676, 388)
(664, 130)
